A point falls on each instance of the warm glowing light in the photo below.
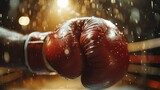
(24, 20)
(143, 45)
(62, 3)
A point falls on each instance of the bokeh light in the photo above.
(24, 20)
(62, 3)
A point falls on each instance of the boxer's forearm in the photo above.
(11, 49)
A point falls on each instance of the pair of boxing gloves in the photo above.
(90, 47)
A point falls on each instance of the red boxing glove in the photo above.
(90, 46)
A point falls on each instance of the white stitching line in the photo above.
(25, 51)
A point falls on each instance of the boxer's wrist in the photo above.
(33, 53)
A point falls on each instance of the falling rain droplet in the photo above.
(138, 31)
(6, 57)
(135, 15)
(157, 17)
(113, 1)
(152, 4)
(66, 51)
